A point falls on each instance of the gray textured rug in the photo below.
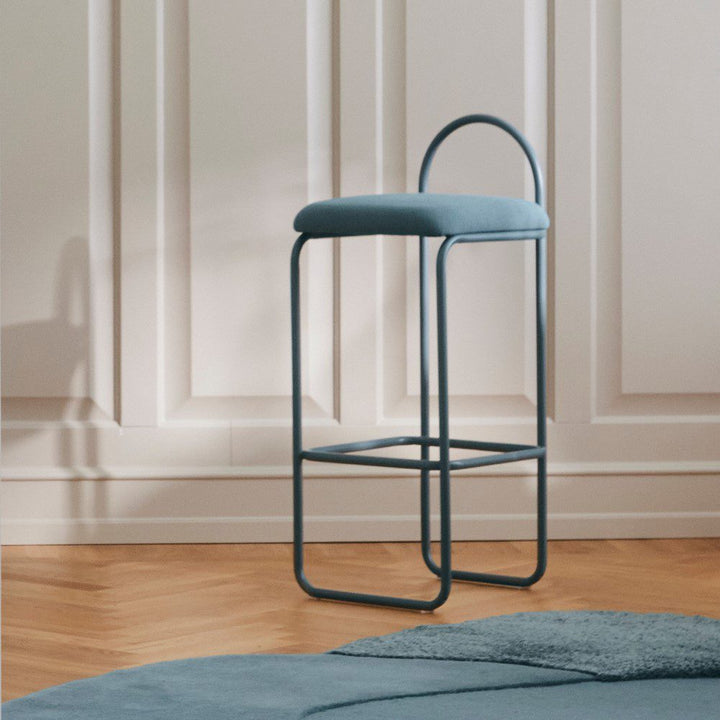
(609, 645)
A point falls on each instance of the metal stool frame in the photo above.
(348, 453)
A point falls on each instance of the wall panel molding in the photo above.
(223, 252)
(141, 207)
(670, 160)
(111, 511)
(154, 154)
(491, 350)
(627, 251)
(57, 210)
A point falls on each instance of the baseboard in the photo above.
(260, 510)
(72, 531)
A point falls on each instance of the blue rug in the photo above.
(502, 673)
(608, 645)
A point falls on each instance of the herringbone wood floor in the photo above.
(76, 611)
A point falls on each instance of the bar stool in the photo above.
(459, 219)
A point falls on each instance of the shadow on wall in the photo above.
(47, 373)
(40, 358)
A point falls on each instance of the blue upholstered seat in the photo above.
(419, 214)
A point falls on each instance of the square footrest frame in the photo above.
(347, 453)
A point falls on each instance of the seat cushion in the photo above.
(419, 214)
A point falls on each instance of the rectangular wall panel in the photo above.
(247, 143)
(57, 314)
(670, 190)
(491, 342)
(636, 275)
(248, 164)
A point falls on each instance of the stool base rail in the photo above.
(504, 453)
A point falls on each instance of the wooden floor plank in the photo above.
(77, 611)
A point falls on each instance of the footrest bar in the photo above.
(348, 459)
(481, 445)
(343, 454)
(372, 444)
(427, 441)
(499, 459)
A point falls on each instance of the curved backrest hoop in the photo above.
(488, 120)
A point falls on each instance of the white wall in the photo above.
(153, 157)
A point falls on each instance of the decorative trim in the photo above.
(354, 528)
(238, 472)
(60, 511)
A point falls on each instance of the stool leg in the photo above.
(540, 342)
(445, 569)
(425, 408)
(298, 555)
(298, 559)
(540, 333)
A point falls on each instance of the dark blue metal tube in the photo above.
(509, 455)
(444, 416)
(344, 455)
(372, 444)
(541, 334)
(297, 412)
(506, 457)
(425, 535)
(424, 344)
(370, 599)
(497, 236)
(298, 454)
(361, 445)
(371, 460)
(488, 120)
